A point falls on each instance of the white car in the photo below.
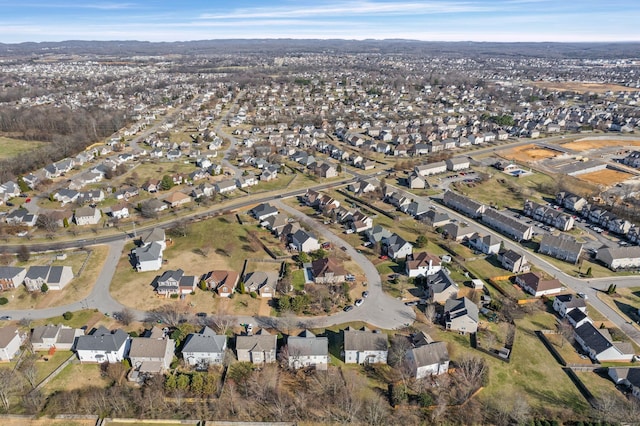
(249, 328)
(359, 302)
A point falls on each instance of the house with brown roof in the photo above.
(222, 282)
(534, 284)
(422, 264)
(327, 271)
(10, 341)
(177, 199)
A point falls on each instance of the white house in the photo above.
(103, 346)
(86, 216)
(10, 341)
(364, 346)
(565, 303)
(428, 360)
(303, 241)
(148, 257)
(58, 336)
(423, 264)
(307, 350)
(204, 348)
(259, 348)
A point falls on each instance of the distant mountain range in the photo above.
(281, 46)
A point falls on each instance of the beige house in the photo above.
(259, 348)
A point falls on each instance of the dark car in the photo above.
(365, 294)
(201, 314)
(348, 308)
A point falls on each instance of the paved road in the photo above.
(379, 309)
(590, 287)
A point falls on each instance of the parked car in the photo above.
(5, 318)
(412, 303)
(348, 308)
(359, 302)
(365, 294)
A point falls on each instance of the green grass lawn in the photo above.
(297, 279)
(47, 367)
(10, 147)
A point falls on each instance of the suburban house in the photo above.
(431, 168)
(463, 204)
(175, 282)
(222, 282)
(56, 277)
(151, 355)
(435, 218)
(461, 315)
(487, 244)
(225, 186)
(61, 337)
(509, 226)
(457, 232)
(440, 287)
(21, 216)
(148, 257)
(598, 345)
(263, 211)
(416, 208)
(534, 284)
(307, 350)
(565, 303)
(416, 181)
(396, 247)
(86, 216)
(576, 318)
(263, 283)
(10, 341)
(204, 348)
(259, 348)
(177, 199)
(431, 359)
(327, 271)
(103, 345)
(422, 264)
(362, 187)
(377, 234)
(513, 261)
(561, 247)
(627, 376)
(119, 211)
(616, 258)
(275, 223)
(364, 346)
(11, 277)
(455, 164)
(303, 241)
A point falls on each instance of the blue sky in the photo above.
(439, 20)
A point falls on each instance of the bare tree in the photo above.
(430, 313)
(29, 370)
(470, 375)
(222, 320)
(47, 222)
(125, 316)
(167, 314)
(9, 383)
(565, 330)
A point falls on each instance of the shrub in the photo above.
(174, 296)
(3, 300)
(44, 288)
(253, 295)
(67, 315)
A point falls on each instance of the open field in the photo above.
(10, 147)
(77, 289)
(588, 144)
(528, 153)
(582, 87)
(605, 177)
(502, 190)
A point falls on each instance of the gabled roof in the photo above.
(102, 340)
(307, 344)
(460, 307)
(145, 347)
(433, 353)
(324, 266)
(259, 342)
(364, 340)
(207, 341)
(593, 338)
(571, 301)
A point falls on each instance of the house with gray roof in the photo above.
(440, 287)
(304, 241)
(461, 315)
(487, 244)
(148, 257)
(616, 258)
(307, 350)
(259, 348)
(56, 277)
(151, 355)
(431, 168)
(626, 376)
(175, 282)
(597, 343)
(61, 337)
(416, 208)
(263, 211)
(86, 216)
(364, 346)
(261, 282)
(377, 234)
(102, 346)
(565, 303)
(513, 261)
(396, 247)
(11, 277)
(204, 348)
(434, 218)
(463, 204)
(457, 232)
(10, 341)
(561, 247)
(455, 164)
(430, 359)
(507, 225)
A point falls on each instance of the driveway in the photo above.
(379, 309)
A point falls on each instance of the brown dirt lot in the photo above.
(580, 87)
(46, 422)
(588, 144)
(529, 153)
(605, 177)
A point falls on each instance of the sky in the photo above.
(439, 20)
